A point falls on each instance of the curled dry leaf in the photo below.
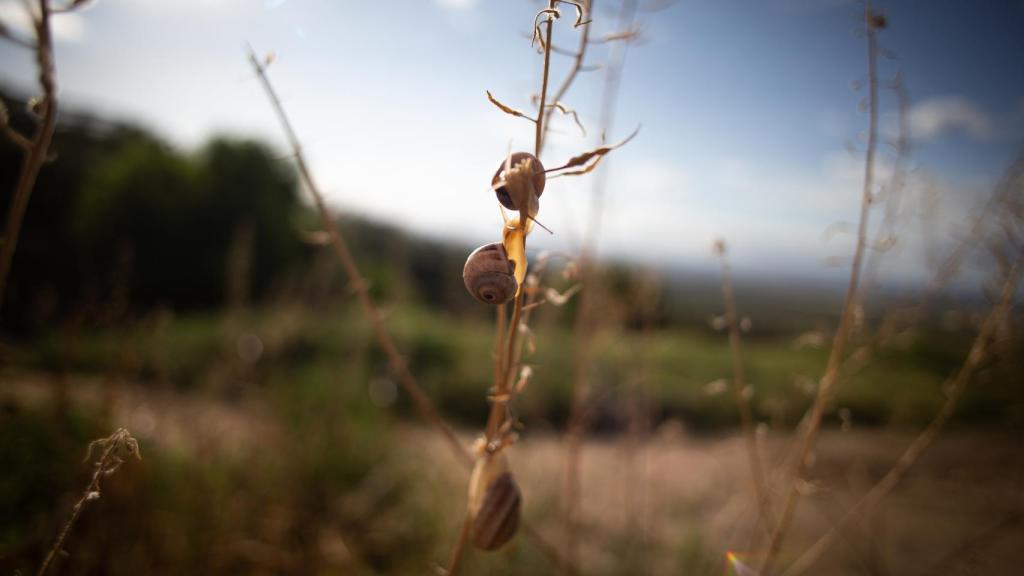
(580, 14)
(569, 112)
(508, 109)
(551, 14)
(589, 160)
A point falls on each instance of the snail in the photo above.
(489, 275)
(494, 502)
(519, 182)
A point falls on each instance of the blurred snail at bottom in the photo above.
(494, 502)
(494, 273)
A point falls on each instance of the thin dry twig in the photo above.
(36, 148)
(586, 317)
(846, 321)
(395, 360)
(589, 160)
(455, 560)
(954, 391)
(577, 65)
(568, 112)
(740, 389)
(508, 109)
(116, 449)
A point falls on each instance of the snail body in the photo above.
(494, 502)
(489, 275)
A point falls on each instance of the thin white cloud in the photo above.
(456, 4)
(935, 117)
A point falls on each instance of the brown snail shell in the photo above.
(494, 502)
(539, 178)
(489, 275)
(498, 518)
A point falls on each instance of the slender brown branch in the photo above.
(116, 448)
(740, 389)
(397, 363)
(836, 355)
(503, 383)
(885, 236)
(538, 142)
(584, 324)
(455, 560)
(10, 133)
(577, 65)
(38, 146)
(954, 391)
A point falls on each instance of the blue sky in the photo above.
(746, 106)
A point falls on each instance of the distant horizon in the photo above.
(746, 113)
(832, 278)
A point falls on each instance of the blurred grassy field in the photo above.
(274, 441)
(676, 368)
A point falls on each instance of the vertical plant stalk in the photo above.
(116, 448)
(541, 124)
(577, 65)
(584, 325)
(954, 391)
(455, 560)
(35, 149)
(396, 362)
(508, 350)
(835, 359)
(498, 401)
(893, 196)
(740, 387)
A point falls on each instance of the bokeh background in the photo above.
(169, 280)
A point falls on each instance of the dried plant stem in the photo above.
(397, 363)
(115, 448)
(36, 148)
(541, 123)
(893, 197)
(835, 359)
(760, 489)
(584, 325)
(954, 391)
(570, 77)
(503, 384)
(499, 370)
(460, 547)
